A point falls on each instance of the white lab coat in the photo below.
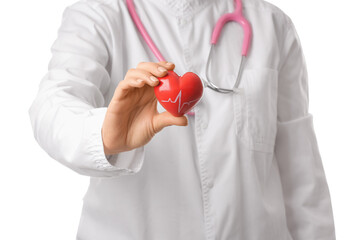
(246, 167)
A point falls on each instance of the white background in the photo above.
(41, 199)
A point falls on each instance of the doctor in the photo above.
(245, 165)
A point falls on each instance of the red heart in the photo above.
(178, 95)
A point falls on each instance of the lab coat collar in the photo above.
(185, 8)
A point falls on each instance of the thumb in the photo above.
(165, 119)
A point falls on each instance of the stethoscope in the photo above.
(236, 16)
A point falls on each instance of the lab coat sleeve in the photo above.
(68, 111)
(305, 190)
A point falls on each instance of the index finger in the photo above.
(157, 69)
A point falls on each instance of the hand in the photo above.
(132, 118)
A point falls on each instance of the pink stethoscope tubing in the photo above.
(236, 16)
(143, 31)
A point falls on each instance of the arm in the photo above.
(68, 111)
(306, 194)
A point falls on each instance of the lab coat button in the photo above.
(204, 125)
(210, 184)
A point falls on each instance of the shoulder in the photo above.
(97, 2)
(107, 10)
(263, 7)
(99, 5)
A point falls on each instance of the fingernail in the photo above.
(154, 79)
(140, 80)
(161, 69)
(169, 63)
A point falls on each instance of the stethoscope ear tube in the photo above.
(208, 83)
(236, 16)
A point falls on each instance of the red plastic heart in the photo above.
(178, 95)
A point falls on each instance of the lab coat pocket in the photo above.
(255, 109)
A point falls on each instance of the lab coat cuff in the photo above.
(129, 162)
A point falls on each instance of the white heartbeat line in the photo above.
(178, 97)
